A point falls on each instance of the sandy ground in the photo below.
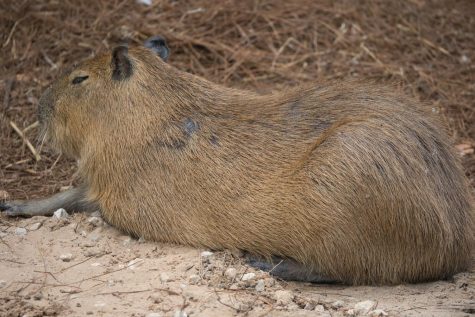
(78, 265)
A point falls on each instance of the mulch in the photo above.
(426, 47)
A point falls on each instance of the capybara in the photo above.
(352, 182)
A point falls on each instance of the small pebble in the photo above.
(37, 296)
(78, 304)
(180, 313)
(141, 240)
(60, 214)
(337, 304)
(157, 298)
(20, 231)
(34, 226)
(377, 313)
(164, 277)
(95, 221)
(319, 308)
(309, 306)
(260, 286)
(153, 315)
(99, 304)
(127, 241)
(206, 254)
(248, 276)
(194, 279)
(230, 273)
(283, 297)
(89, 313)
(364, 307)
(147, 3)
(66, 257)
(350, 312)
(3, 283)
(95, 264)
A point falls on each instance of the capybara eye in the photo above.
(79, 79)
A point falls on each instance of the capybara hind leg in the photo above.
(72, 200)
(287, 269)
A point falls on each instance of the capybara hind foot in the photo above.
(287, 269)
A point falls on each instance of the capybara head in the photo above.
(92, 93)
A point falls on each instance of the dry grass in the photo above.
(426, 47)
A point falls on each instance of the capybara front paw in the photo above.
(13, 209)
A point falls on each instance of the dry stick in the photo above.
(31, 126)
(11, 32)
(377, 60)
(13, 261)
(67, 268)
(27, 142)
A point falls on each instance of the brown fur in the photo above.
(355, 182)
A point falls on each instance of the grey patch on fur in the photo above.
(172, 145)
(190, 127)
(214, 140)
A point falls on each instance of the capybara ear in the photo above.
(159, 46)
(120, 63)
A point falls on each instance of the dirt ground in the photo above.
(80, 266)
(105, 273)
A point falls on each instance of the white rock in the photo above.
(99, 304)
(20, 231)
(66, 257)
(34, 226)
(248, 276)
(283, 297)
(377, 313)
(127, 241)
(194, 279)
(319, 308)
(157, 298)
(180, 313)
(95, 221)
(96, 264)
(147, 3)
(141, 240)
(230, 273)
(164, 277)
(153, 315)
(364, 307)
(3, 283)
(206, 254)
(337, 304)
(464, 59)
(350, 312)
(260, 286)
(309, 306)
(60, 214)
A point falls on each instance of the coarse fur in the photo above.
(353, 181)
